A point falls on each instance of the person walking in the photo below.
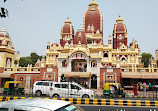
(144, 86)
(149, 86)
(135, 90)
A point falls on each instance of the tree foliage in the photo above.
(32, 59)
(24, 61)
(145, 58)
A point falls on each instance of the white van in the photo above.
(70, 90)
(61, 89)
(42, 87)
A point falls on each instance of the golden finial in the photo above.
(68, 21)
(119, 18)
(93, 2)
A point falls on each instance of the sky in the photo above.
(33, 23)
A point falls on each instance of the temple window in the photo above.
(123, 58)
(9, 44)
(64, 63)
(94, 63)
(8, 62)
(106, 54)
(21, 78)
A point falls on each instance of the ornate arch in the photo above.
(123, 58)
(78, 55)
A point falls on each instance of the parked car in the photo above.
(70, 89)
(61, 89)
(42, 87)
(38, 105)
(155, 87)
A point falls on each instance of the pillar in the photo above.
(27, 86)
(149, 68)
(59, 77)
(89, 82)
(110, 55)
(136, 59)
(152, 68)
(132, 68)
(88, 65)
(69, 65)
(98, 81)
(103, 78)
(135, 68)
(129, 59)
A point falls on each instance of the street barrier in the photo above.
(119, 102)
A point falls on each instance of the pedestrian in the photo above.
(144, 86)
(86, 84)
(135, 90)
(141, 86)
(137, 86)
(149, 86)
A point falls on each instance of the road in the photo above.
(116, 108)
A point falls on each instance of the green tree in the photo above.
(24, 61)
(145, 58)
(32, 59)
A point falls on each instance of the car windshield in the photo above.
(80, 86)
(70, 107)
(3, 109)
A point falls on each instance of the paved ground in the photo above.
(116, 108)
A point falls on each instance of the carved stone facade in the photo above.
(85, 54)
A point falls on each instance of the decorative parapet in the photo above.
(22, 69)
(135, 69)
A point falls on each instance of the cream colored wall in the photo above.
(4, 55)
(96, 51)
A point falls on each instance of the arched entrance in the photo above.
(79, 65)
(94, 81)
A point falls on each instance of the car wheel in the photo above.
(22, 93)
(38, 93)
(106, 95)
(85, 96)
(5, 93)
(56, 96)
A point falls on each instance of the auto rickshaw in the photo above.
(13, 87)
(113, 89)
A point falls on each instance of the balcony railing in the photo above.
(135, 69)
(22, 69)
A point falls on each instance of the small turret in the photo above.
(4, 42)
(48, 45)
(119, 33)
(80, 36)
(12, 45)
(67, 33)
(109, 39)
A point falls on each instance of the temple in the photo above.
(82, 56)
